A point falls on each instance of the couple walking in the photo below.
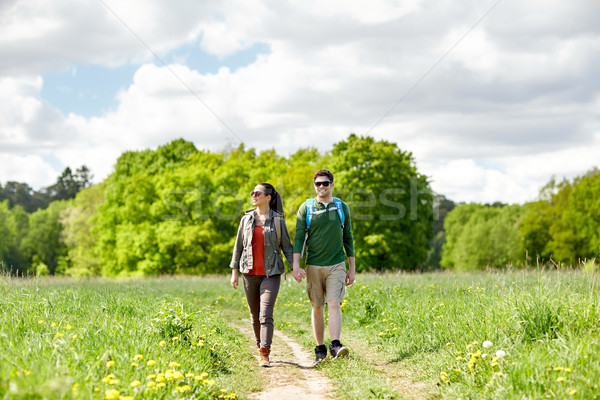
(324, 229)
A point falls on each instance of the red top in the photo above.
(258, 251)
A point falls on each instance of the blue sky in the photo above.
(490, 110)
(91, 90)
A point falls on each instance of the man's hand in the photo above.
(298, 274)
(234, 278)
(350, 277)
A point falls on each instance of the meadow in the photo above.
(496, 335)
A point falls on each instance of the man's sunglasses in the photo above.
(324, 183)
(256, 193)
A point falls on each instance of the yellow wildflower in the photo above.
(41, 321)
(135, 365)
(75, 387)
(59, 334)
(572, 392)
(444, 377)
(74, 336)
(53, 324)
(135, 383)
(112, 394)
(162, 343)
(560, 379)
(182, 389)
(151, 363)
(161, 384)
(68, 327)
(189, 375)
(151, 384)
(174, 364)
(110, 363)
(138, 357)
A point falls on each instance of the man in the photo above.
(329, 234)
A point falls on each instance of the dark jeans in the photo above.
(261, 293)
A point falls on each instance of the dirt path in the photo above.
(407, 385)
(291, 375)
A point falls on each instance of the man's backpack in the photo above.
(310, 211)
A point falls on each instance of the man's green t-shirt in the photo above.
(326, 238)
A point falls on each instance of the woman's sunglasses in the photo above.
(324, 183)
(256, 193)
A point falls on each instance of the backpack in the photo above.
(310, 211)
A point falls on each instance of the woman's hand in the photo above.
(234, 278)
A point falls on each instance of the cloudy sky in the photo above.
(493, 98)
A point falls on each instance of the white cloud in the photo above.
(513, 104)
(31, 169)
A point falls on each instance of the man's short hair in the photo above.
(323, 172)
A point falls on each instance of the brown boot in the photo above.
(264, 357)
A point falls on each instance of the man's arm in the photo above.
(350, 275)
(298, 273)
(349, 247)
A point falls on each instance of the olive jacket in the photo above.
(242, 258)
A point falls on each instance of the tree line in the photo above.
(562, 227)
(67, 185)
(176, 210)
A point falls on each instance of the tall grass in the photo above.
(541, 332)
(513, 335)
(102, 339)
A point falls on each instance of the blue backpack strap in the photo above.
(340, 210)
(310, 207)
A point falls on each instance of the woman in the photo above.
(256, 254)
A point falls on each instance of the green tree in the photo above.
(454, 226)
(577, 235)
(69, 184)
(14, 224)
(482, 236)
(390, 201)
(80, 232)
(43, 243)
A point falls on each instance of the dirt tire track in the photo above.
(396, 375)
(291, 375)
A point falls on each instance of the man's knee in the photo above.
(333, 304)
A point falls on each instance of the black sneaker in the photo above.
(320, 353)
(337, 349)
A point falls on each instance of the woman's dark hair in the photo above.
(276, 203)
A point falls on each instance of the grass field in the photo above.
(506, 335)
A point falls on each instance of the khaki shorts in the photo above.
(325, 283)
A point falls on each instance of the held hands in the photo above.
(298, 274)
(234, 278)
